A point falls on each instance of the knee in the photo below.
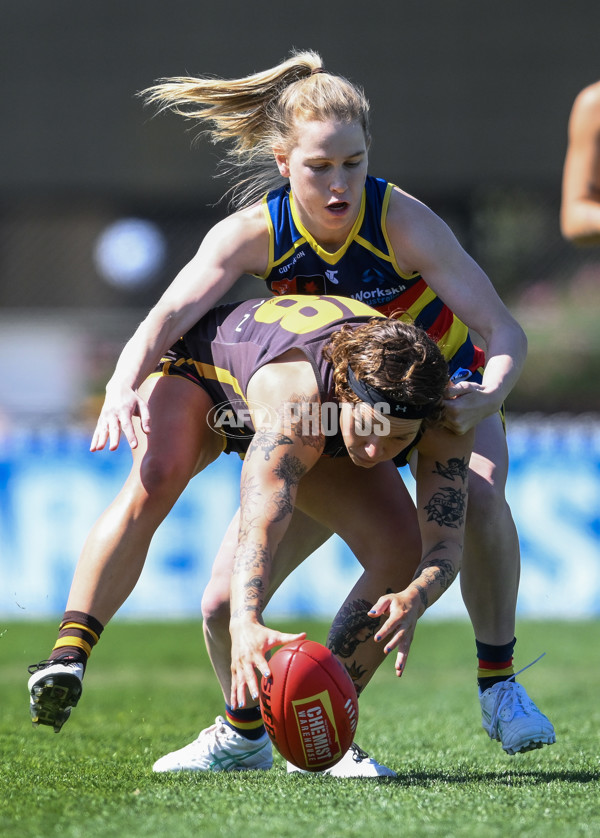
(486, 497)
(215, 605)
(163, 473)
(489, 516)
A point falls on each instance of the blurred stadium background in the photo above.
(101, 204)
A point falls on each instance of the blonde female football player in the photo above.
(331, 228)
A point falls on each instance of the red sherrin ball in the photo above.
(309, 705)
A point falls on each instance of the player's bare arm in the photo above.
(442, 491)
(580, 204)
(423, 242)
(234, 246)
(278, 457)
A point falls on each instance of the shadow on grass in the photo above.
(502, 778)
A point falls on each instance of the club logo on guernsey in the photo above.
(299, 284)
(316, 726)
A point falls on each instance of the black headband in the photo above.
(371, 395)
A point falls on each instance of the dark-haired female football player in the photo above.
(326, 395)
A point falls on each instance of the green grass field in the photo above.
(149, 689)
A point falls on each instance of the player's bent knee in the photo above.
(163, 475)
(215, 607)
(486, 497)
(488, 512)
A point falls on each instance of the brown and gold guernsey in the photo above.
(231, 342)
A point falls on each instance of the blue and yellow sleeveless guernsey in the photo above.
(364, 269)
(231, 342)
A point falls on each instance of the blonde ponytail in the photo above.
(257, 112)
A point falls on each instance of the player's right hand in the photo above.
(120, 406)
(250, 642)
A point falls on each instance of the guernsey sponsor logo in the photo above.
(289, 265)
(379, 295)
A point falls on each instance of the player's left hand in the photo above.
(403, 610)
(121, 404)
(250, 641)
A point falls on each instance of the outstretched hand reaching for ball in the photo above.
(250, 641)
(403, 610)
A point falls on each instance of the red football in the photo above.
(309, 705)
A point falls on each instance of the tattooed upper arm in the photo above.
(276, 461)
(298, 419)
(301, 418)
(267, 441)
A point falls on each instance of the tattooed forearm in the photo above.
(254, 590)
(250, 557)
(455, 467)
(441, 545)
(447, 507)
(246, 609)
(436, 572)
(422, 594)
(441, 571)
(289, 470)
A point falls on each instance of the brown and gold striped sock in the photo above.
(77, 635)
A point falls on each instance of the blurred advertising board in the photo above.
(52, 490)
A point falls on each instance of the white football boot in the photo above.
(354, 763)
(219, 748)
(511, 717)
(54, 688)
